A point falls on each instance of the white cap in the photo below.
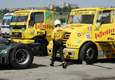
(57, 21)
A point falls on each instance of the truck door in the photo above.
(49, 26)
(34, 23)
(105, 28)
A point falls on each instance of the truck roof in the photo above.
(93, 9)
(28, 11)
(8, 14)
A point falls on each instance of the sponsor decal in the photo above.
(78, 34)
(88, 36)
(103, 33)
(43, 26)
(110, 38)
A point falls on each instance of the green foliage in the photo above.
(2, 12)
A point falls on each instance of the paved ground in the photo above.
(41, 70)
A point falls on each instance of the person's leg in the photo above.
(64, 63)
(61, 54)
(53, 54)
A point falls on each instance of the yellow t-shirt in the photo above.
(57, 33)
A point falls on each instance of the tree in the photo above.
(5, 11)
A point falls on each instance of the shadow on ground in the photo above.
(112, 61)
(7, 67)
(101, 78)
(3, 79)
(73, 62)
(106, 61)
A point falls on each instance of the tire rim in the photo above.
(22, 56)
(89, 53)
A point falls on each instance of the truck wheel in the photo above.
(21, 57)
(43, 46)
(89, 53)
(44, 50)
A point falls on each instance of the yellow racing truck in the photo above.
(32, 26)
(89, 35)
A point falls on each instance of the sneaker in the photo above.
(51, 64)
(64, 65)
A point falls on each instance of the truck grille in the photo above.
(66, 37)
(18, 27)
(16, 34)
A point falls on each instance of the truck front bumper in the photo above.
(24, 41)
(71, 53)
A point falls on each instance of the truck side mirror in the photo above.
(98, 24)
(101, 21)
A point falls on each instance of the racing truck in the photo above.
(89, 35)
(32, 27)
(31, 31)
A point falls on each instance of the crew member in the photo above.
(57, 36)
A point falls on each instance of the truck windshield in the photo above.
(6, 20)
(19, 18)
(81, 19)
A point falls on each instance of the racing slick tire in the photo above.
(21, 57)
(42, 49)
(89, 53)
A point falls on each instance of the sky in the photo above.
(43, 3)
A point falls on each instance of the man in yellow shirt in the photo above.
(57, 36)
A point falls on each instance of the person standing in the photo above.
(57, 36)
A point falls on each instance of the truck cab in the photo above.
(90, 34)
(5, 27)
(29, 25)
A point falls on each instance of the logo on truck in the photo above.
(103, 33)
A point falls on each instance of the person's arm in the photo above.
(52, 36)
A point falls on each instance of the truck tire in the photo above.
(42, 47)
(21, 57)
(43, 50)
(89, 53)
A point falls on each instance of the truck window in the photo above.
(6, 20)
(88, 19)
(19, 18)
(38, 17)
(104, 17)
(82, 19)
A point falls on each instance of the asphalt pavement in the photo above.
(40, 70)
